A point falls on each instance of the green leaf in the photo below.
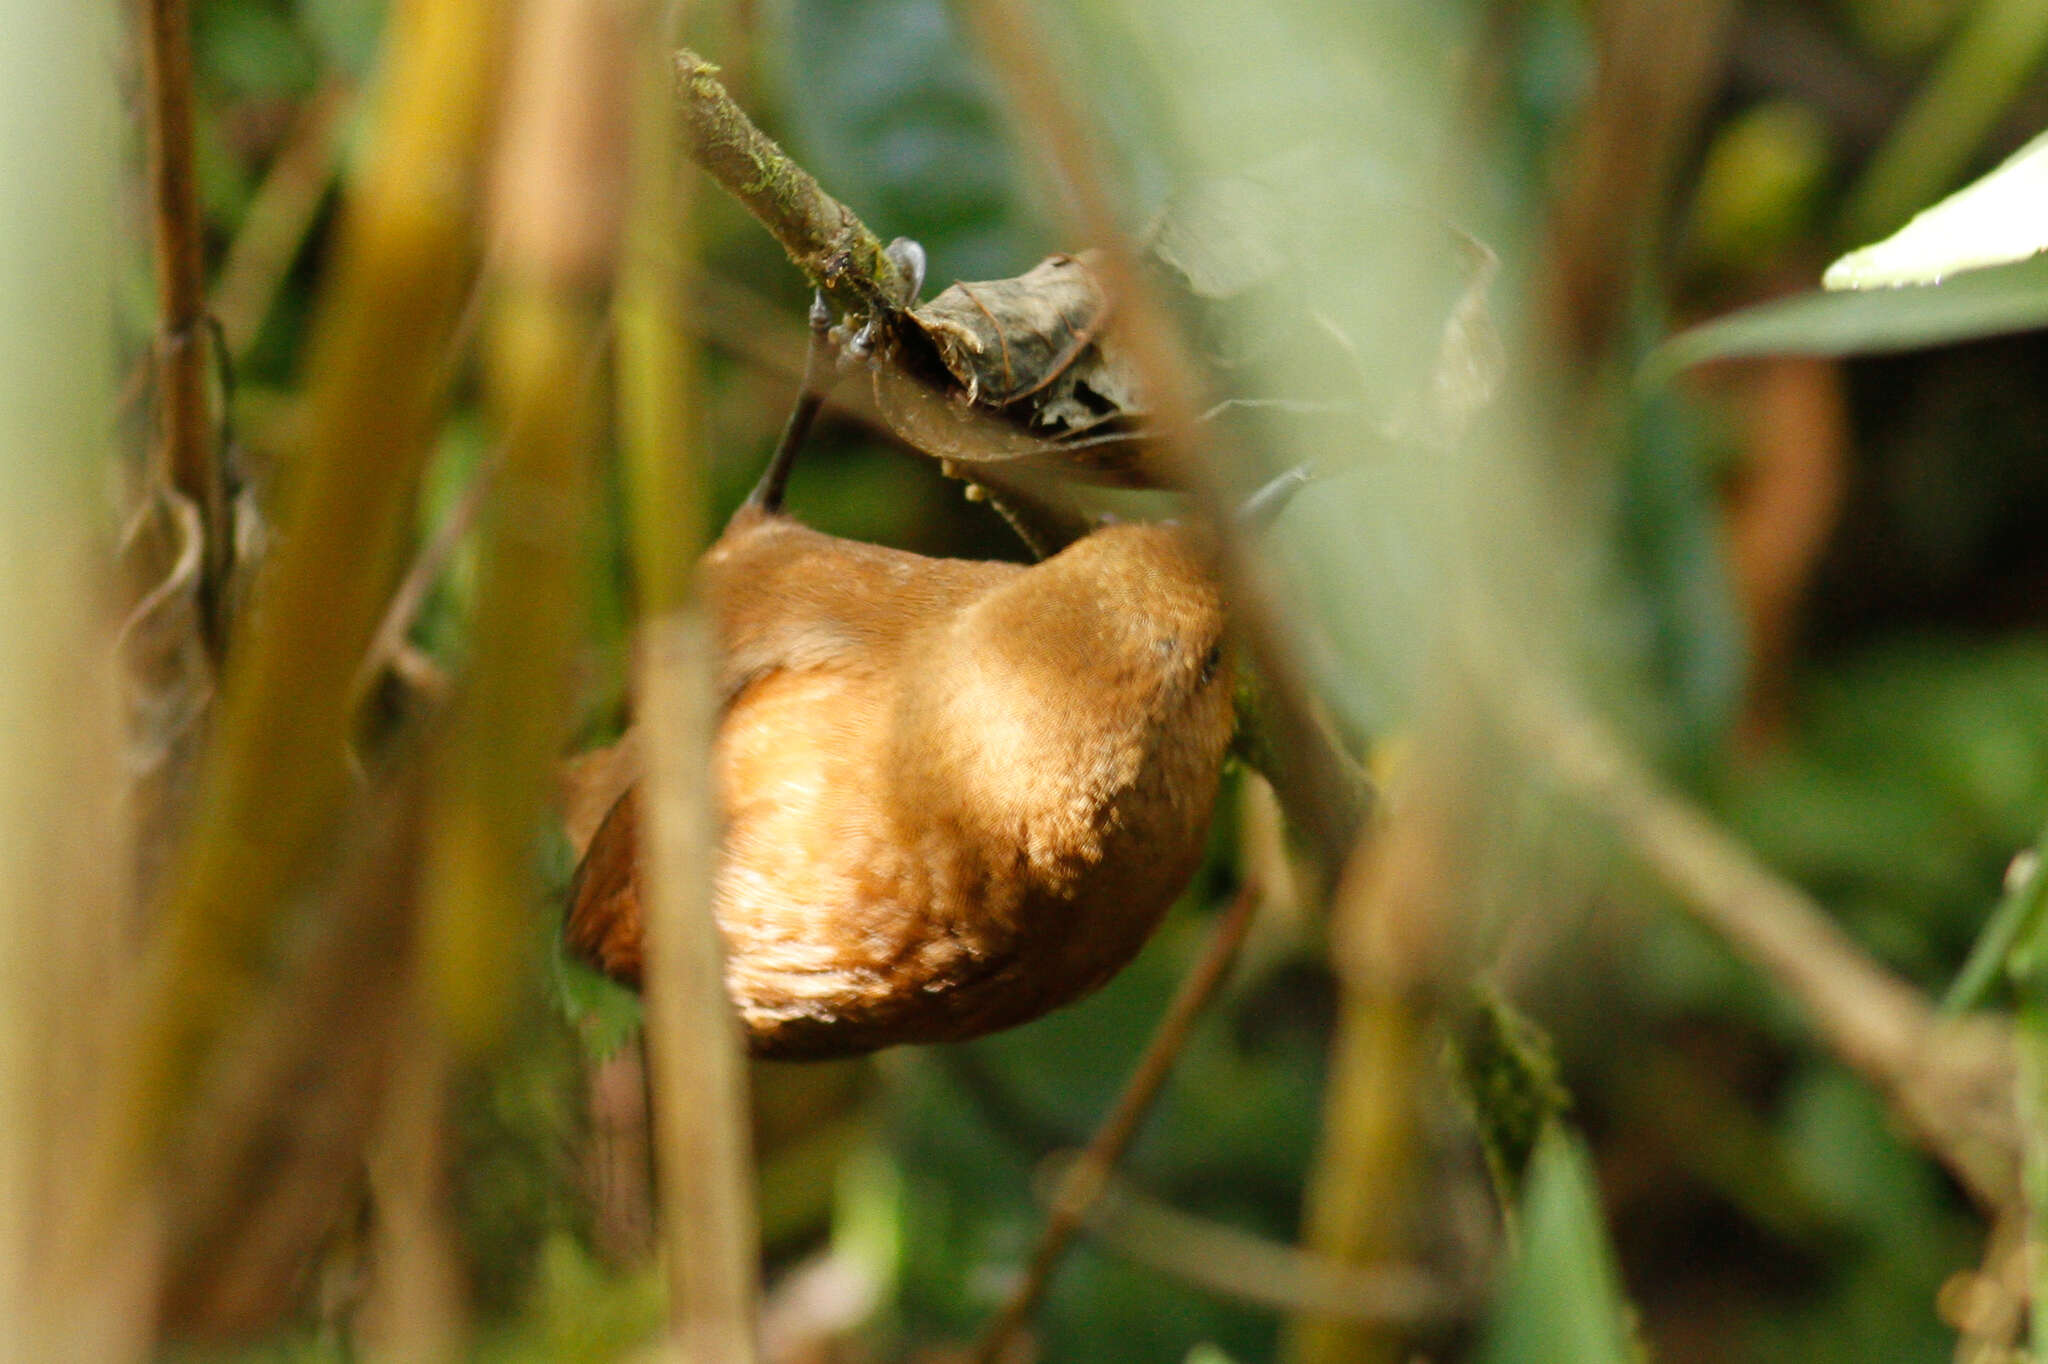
(1989, 302)
(1507, 1075)
(346, 32)
(1563, 1297)
(2000, 219)
(2016, 920)
(605, 1013)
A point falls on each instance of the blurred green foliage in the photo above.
(1912, 763)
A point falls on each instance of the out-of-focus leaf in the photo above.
(1990, 302)
(2000, 219)
(344, 31)
(1563, 1298)
(251, 50)
(1246, 246)
(1916, 774)
(1222, 235)
(605, 1014)
(1903, 1235)
(1206, 1353)
(1759, 184)
(579, 1311)
(1683, 629)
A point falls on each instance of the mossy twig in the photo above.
(824, 237)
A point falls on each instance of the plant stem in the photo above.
(1082, 1183)
(185, 458)
(281, 213)
(824, 237)
(61, 129)
(559, 205)
(697, 1079)
(2033, 1106)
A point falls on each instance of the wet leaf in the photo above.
(1990, 302)
(2000, 219)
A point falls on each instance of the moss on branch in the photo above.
(824, 237)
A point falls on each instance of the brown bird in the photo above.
(954, 794)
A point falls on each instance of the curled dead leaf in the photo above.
(168, 677)
(1021, 369)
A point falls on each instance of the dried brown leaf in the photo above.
(1019, 370)
(168, 676)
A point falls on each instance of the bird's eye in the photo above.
(1210, 662)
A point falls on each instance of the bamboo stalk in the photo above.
(1393, 928)
(276, 776)
(1361, 1186)
(185, 452)
(559, 188)
(60, 139)
(696, 1076)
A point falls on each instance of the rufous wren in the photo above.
(953, 794)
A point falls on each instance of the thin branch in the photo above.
(824, 237)
(1322, 792)
(1234, 1263)
(185, 450)
(424, 571)
(696, 1072)
(817, 382)
(280, 215)
(1084, 1180)
(1950, 1082)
